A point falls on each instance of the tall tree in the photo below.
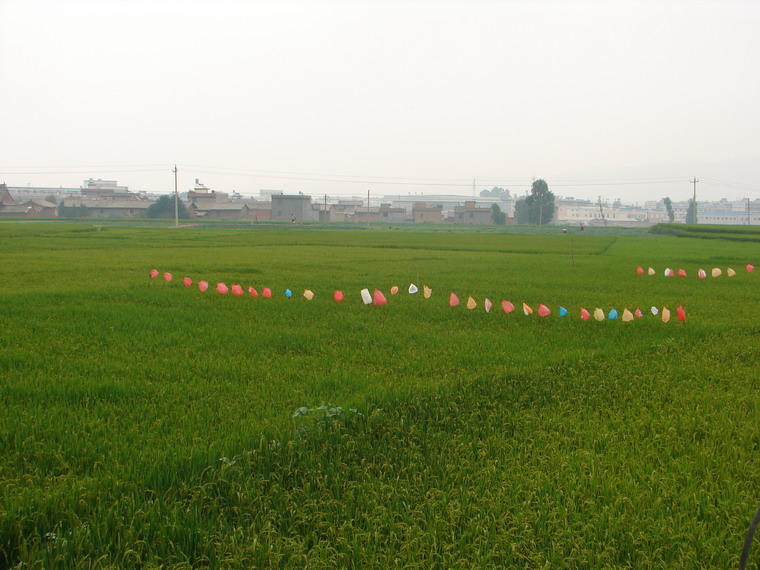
(540, 203)
(669, 209)
(690, 213)
(522, 211)
(497, 215)
(164, 208)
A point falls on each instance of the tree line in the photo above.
(535, 208)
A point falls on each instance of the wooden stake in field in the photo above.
(572, 251)
(176, 199)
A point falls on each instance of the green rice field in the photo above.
(148, 424)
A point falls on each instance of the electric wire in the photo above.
(364, 179)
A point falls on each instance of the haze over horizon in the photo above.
(625, 100)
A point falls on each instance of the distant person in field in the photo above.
(292, 218)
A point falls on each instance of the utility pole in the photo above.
(176, 199)
(694, 181)
(749, 221)
(474, 192)
(368, 207)
(326, 216)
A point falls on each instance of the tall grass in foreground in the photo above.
(144, 423)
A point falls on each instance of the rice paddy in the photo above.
(145, 423)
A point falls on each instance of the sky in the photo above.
(620, 99)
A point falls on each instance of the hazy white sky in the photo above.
(339, 97)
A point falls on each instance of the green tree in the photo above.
(164, 208)
(669, 209)
(691, 212)
(522, 211)
(495, 192)
(540, 203)
(497, 215)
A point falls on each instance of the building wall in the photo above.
(728, 218)
(338, 214)
(221, 214)
(426, 215)
(98, 212)
(362, 216)
(40, 211)
(286, 206)
(450, 202)
(257, 214)
(472, 215)
(588, 213)
(394, 215)
(111, 209)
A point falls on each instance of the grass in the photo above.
(144, 423)
(707, 231)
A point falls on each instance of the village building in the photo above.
(25, 193)
(471, 213)
(41, 209)
(424, 213)
(132, 208)
(216, 210)
(450, 202)
(340, 212)
(365, 215)
(212, 205)
(393, 215)
(293, 208)
(569, 211)
(107, 199)
(729, 212)
(6, 198)
(105, 190)
(34, 208)
(203, 198)
(256, 211)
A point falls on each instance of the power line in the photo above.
(630, 183)
(410, 182)
(359, 179)
(461, 183)
(88, 171)
(89, 166)
(321, 175)
(716, 182)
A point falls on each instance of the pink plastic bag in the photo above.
(378, 298)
